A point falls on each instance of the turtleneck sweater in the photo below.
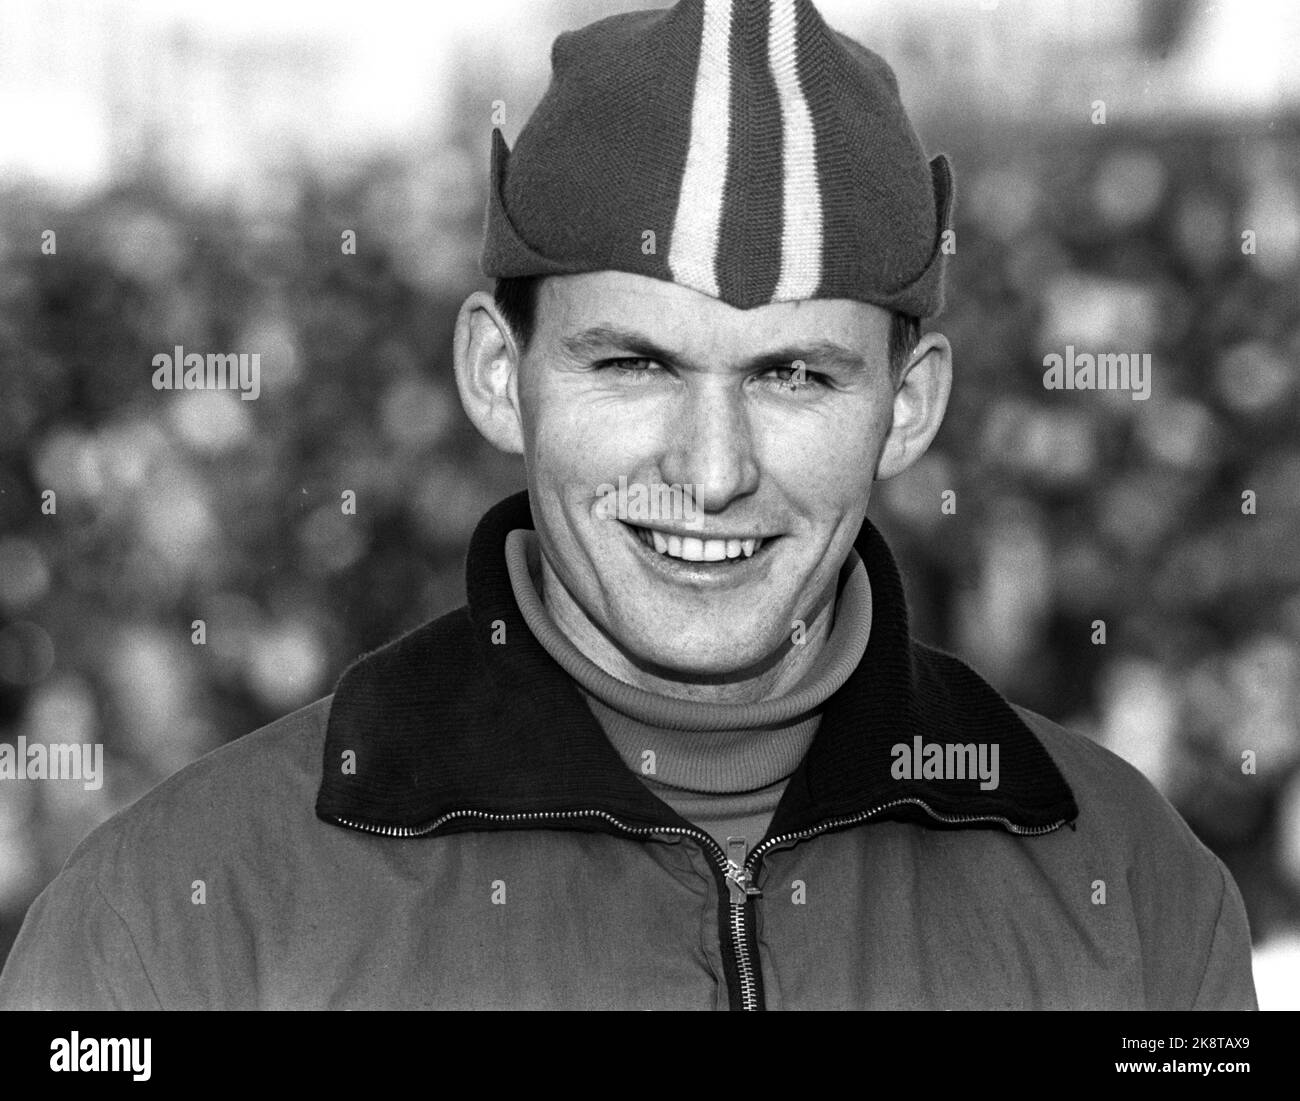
(721, 766)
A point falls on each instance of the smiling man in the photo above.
(775, 420)
(685, 756)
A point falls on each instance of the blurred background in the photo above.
(199, 164)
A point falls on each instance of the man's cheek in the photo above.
(562, 448)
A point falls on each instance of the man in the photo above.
(678, 750)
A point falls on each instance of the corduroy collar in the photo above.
(469, 713)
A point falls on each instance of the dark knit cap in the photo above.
(769, 155)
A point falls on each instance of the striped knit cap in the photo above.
(769, 155)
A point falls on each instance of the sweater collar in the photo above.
(704, 747)
(468, 719)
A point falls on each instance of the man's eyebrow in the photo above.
(603, 338)
(822, 353)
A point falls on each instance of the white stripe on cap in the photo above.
(801, 236)
(693, 253)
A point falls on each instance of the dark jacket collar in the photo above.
(446, 719)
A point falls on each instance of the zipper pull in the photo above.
(739, 881)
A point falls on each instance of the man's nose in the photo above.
(710, 445)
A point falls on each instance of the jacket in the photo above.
(452, 829)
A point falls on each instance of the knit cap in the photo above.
(741, 148)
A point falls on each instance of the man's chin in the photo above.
(724, 658)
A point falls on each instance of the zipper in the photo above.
(853, 819)
(738, 872)
(741, 888)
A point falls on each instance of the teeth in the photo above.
(693, 549)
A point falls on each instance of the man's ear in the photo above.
(486, 358)
(920, 400)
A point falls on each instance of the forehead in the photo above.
(698, 326)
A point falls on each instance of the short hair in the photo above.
(516, 298)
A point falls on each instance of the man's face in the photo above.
(636, 378)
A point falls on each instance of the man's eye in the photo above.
(795, 378)
(630, 366)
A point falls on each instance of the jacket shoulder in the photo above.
(85, 940)
(1108, 789)
(1187, 906)
(213, 796)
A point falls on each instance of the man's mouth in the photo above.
(692, 548)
